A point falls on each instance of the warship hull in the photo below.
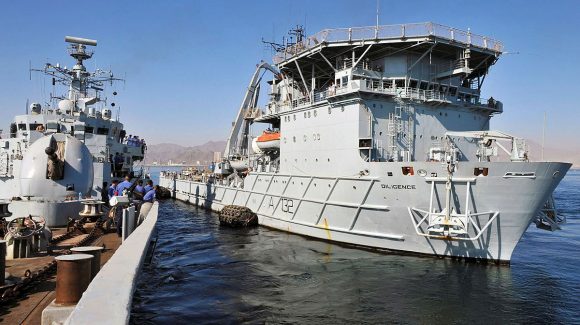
(390, 212)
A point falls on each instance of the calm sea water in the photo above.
(203, 274)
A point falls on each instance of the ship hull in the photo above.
(384, 212)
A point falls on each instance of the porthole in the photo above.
(304, 114)
(329, 110)
(314, 113)
(284, 139)
(308, 114)
(313, 136)
(294, 139)
(294, 117)
(318, 136)
(305, 138)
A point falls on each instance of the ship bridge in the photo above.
(426, 62)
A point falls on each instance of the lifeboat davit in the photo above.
(269, 140)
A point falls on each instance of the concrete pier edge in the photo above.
(116, 280)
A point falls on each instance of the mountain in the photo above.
(551, 153)
(164, 152)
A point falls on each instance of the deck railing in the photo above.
(389, 32)
(384, 87)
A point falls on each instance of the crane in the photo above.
(238, 138)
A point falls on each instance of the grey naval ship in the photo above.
(379, 136)
(55, 156)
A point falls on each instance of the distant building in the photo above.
(217, 156)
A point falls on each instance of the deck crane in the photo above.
(237, 144)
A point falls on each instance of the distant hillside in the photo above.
(551, 153)
(571, 155)
(164, 152)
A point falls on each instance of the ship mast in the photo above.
(83, 86)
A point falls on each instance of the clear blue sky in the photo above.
(187, 63)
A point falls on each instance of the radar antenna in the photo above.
(84, 87)
(296, 33)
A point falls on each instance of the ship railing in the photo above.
(385, 87)
(400, 31)
(426, 95)
(317, 97)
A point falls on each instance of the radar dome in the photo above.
(35, 108)
(66, 105)
(54, 165)
(107, 114)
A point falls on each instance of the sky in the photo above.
(187, 64)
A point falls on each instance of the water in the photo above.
(201, 273)
(154, 171)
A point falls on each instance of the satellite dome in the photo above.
(66, 105)
(35, 108)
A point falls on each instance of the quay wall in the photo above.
(108, 298)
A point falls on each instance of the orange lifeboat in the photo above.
(269, 140)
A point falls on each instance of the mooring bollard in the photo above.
(95, 251)
(2, 262)
(73, 276)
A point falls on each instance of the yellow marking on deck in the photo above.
(327, 230)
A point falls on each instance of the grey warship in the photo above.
(379, 136)
(85, 113)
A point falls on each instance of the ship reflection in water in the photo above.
(201, 273)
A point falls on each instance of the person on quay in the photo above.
(119, 159)
(149, 186)
(139, 190)
(148, 200)
(124, 185)
(113, 189)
